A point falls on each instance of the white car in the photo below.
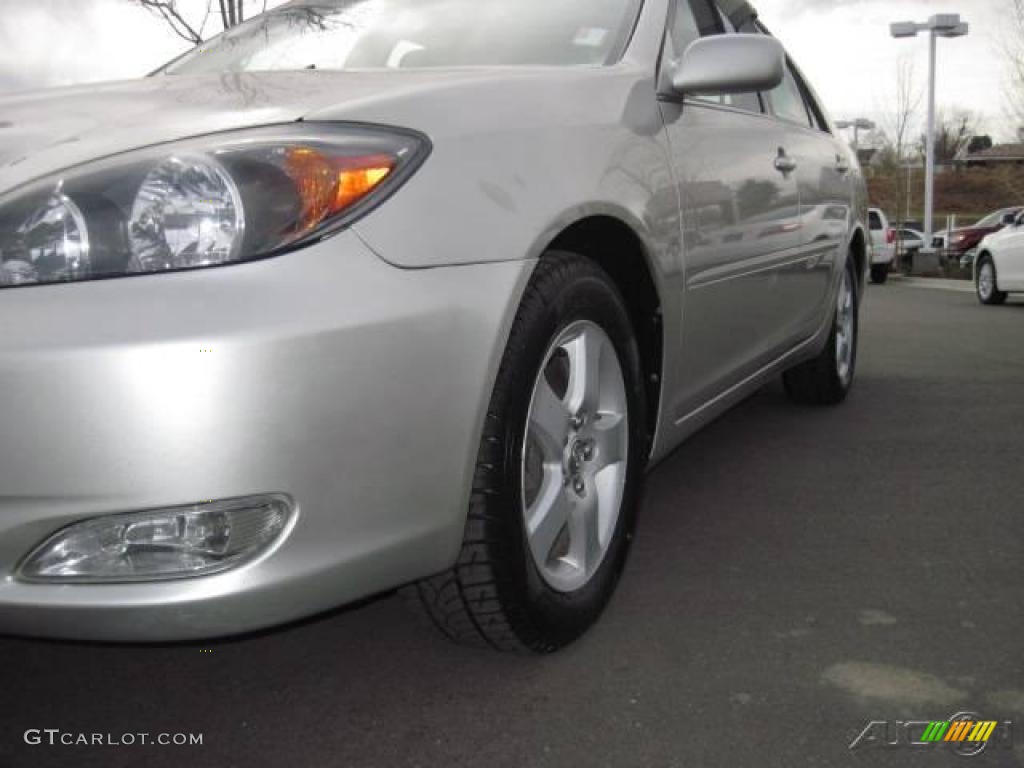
(883, 245)
(999, 268)
(911, 240)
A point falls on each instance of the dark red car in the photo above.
(964, 239)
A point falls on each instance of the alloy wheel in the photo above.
(986, 281)
(846, 328)
(574, 456)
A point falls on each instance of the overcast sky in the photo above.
(842, 45)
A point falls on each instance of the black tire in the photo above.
(879, 274)
(494, 596)
(818, 381)
(996, 297)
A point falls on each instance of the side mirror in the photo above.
(725, 64)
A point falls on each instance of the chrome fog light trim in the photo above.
(170, 543)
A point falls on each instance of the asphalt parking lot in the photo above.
(796, 574)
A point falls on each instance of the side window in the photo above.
(701, 18)
(785, 99)
(693, 19)
(709, 21)
(788, 101)
(816, 112)
(751, 102)
(684, 27)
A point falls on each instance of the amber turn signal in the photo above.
(327, 185)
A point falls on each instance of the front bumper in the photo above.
(883, 254)
(353, 386)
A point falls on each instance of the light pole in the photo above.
(858, 125)
(910, 181)
(940, 25)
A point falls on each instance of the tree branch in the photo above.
(177, 22)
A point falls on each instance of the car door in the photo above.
(740, 220)
(1010, 257)
(824, 169)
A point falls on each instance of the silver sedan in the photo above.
(368, 294)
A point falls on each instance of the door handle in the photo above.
(842, 166)
(784, 162)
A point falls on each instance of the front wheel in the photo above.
(558, 471)
(827, 379)
(987, 284)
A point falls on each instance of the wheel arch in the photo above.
(859, 250)
(620, 251)
(984, 253)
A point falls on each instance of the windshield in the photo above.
(993, 219)
(392, 34)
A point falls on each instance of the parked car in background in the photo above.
(967, 260)
(964, 239)
(909, 240)
(883, 245)
(999, 267)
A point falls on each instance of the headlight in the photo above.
(187, 213)
(213, 200)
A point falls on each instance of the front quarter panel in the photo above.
(1007, 250)
(520, 156)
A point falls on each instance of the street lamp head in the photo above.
(960, 30)
(861, 124)
(864, 124)
(944, 22)
(904, 29)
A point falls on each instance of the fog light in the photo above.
(171, 543)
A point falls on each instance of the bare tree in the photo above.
(192, 27)
(175, 18)
(1014, 46)
(953, 134)
(905, 107)
(900, 121)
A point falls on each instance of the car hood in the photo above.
(995, 237)
(972, 230)
(50, 130)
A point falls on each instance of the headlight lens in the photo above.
(161, 544)
(54, 244)
(208, 201)
(187, 213)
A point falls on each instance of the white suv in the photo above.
(883, 245)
